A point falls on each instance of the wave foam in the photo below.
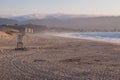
(95, 38)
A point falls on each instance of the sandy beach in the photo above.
(59, 58)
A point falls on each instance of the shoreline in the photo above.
(69, 35)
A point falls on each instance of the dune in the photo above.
(4, 36)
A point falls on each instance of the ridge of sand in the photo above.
(4, 36)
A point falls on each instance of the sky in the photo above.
(87, 7)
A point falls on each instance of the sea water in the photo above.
(99, 36)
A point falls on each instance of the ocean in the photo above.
(113, 37)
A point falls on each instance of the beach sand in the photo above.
(58, 58)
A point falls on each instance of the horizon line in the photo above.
(11, 15)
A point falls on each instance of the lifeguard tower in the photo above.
(22, 33)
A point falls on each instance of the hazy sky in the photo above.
(97, 7)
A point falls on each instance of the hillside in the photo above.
(92, 23)
(81, 22)
(7, 21)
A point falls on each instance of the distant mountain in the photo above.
(105, 22)
(6, 21)
(47, 16)
(27, 17)
(85, 22)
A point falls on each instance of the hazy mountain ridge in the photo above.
(7, 21)
(68, 21)
(46, 16)
(27, 17)
(101, 22)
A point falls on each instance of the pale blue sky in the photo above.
(97, 7)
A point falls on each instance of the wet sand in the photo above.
(58, 58)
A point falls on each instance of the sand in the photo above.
(58, 58)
